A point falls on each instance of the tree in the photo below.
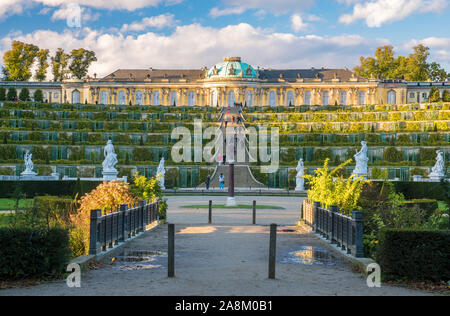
(437, 73)
(24, 94)
(2, 94)
(446, 96)
(81, 59)
(38, 96)
(434, 95)
(19, 59)
(59, 65)
(12, 94)
(41, 72)
(417, 64)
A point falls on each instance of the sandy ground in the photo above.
(228, 258)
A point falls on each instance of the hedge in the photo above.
(416, 255)
(36, 188)
(28, 253)
(424, 190)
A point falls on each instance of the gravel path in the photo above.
(223, 259)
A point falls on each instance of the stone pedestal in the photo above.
(110, 175)
(28, 174)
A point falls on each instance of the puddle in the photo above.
(312, 255)
(138, 260)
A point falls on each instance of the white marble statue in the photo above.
(109, 170)
(361, 161)
(29, 166)
(160, 173)
(300, 181)
(438, 171)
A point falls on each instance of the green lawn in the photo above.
(260, 207)
(10, 204)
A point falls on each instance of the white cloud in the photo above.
(66, 11)
(268, 6)
(439, 48)
(11, 7)
(194, 46)
(378, 12)
(297, 23)
(215, 12)
(158, 22)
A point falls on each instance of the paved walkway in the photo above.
(227, 258)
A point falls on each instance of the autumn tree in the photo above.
(81, 59)
(437, 73)
(417, 64)
(446, 96)
(59, 65)
(42, 57)
(19, 59)
(434, 95)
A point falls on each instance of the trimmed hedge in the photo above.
(416, 255)
(36, 188)
(28, 253)
(424, 190)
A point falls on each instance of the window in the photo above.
(362, 98)
(191, 98)
(75, 97)
(272, 98)
(392, 97)
(56, 95)
(121, 97)
(325, 98)
(308, 97)
(290, 98)
(412, 95)
(249, 99)
(139, 97)
(424, 95)
(173, 98)
(343, 98)
(231, 98)
(156, 98)
(104, 97)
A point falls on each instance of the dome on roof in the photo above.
(232, 67)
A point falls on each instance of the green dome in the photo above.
(232, 67)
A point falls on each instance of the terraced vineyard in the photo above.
(68, 139)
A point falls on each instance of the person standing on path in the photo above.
(208, 181)
(221, 181)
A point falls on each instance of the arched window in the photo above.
(308, 97)
(325, 98)
(104, 97)
(343, 98)
(173, 98)
(156, 98)
(75, 97)
(272, 98)
(362, 98)
(392, 97)
(249, 99)
(214, 99)
(139, 97)
(191, 98)
(231, 98)
(290, 98)
(121, 97)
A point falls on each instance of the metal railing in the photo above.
(107, 230)
(345, 231)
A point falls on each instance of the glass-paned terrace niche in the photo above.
(232, 67)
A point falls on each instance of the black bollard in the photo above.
(171, 252)
(272, 250)
(210, 213)
(254, 212)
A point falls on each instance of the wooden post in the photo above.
(210, 213)
(272, 250)
(254, 212)
(171, 252)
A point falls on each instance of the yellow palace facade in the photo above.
(235, 82)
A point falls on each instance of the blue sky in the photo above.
(197, 33)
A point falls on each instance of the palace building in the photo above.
(233, 82)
